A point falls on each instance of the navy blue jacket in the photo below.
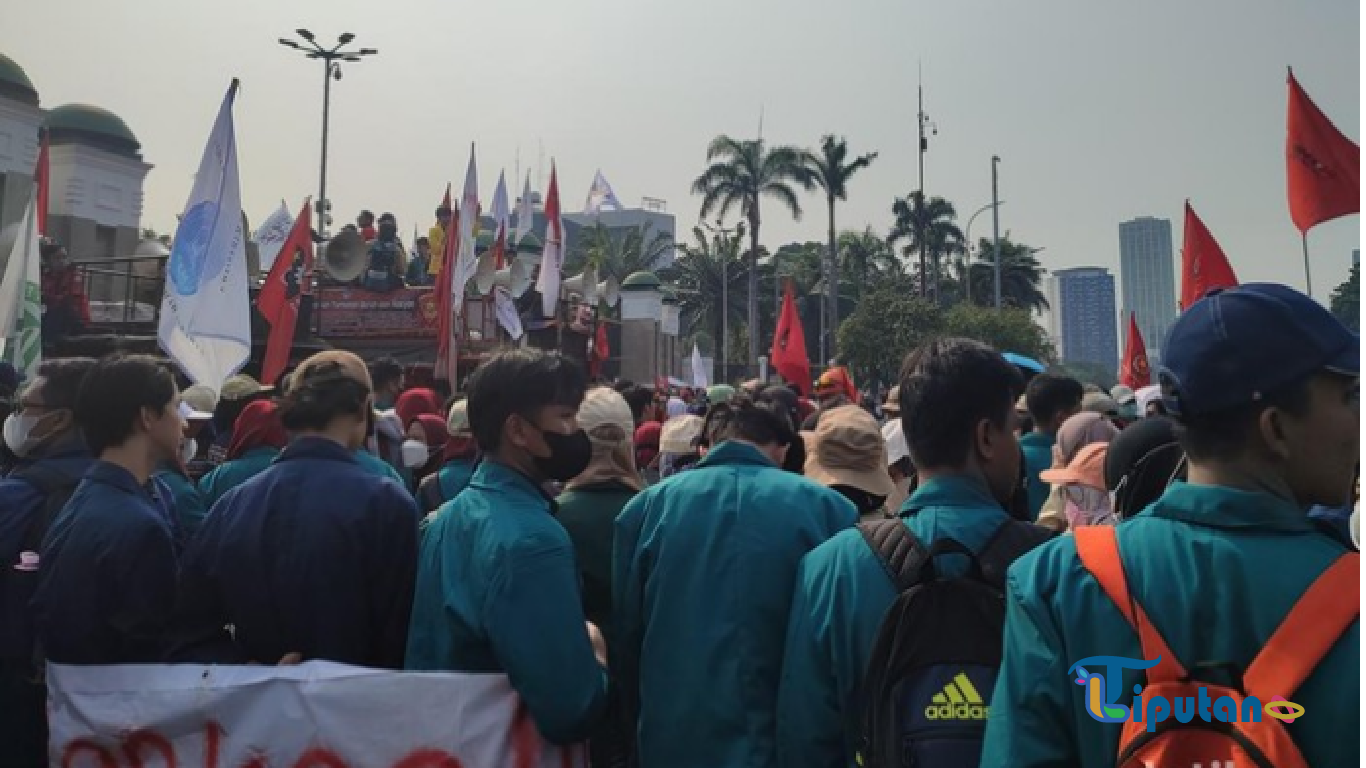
(107, 575)
(315, 555)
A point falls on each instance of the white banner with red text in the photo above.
(313, 715)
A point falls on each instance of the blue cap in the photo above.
(10, 379)
(1234, 346)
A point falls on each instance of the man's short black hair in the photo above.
(764, 423)
(1225, 435)
(322, 393)
(520, 382)
(1049, 395)
(423, 241)
(113, 394)
(638, 398)
(947, 387)
(443, 209)
(385, 371)
(366, 215)
(62, 379)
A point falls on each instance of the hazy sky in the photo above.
(1101, 111)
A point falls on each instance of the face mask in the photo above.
(16, 431)
(569, 455)
(415, 453)
(188, 448)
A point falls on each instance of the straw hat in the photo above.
(678, 434)
(458, 420)
(847, 449)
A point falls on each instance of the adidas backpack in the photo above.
(927, 690)
(1322, 614)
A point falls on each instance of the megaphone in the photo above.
(344, 256)
(583, 285)
(609, 291)
(515, 277)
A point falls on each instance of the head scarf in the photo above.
(647, 442)
(675, 407)
(607, 419)
(416, 402)
(1079, 431)
(257, 426)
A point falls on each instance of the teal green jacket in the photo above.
(1216, 570)
(703, 566)
(454, 476)
(498, 591)
(190, 508)
(377, 466)
(1038, 456)
(841, 595)
(230, 474)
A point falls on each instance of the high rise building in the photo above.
(1147, 278)
(1082, 316)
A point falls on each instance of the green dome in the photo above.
(91, 121)
(530, 243)
(14, 80)
(669, 296)
(484, 240)
(640, 281)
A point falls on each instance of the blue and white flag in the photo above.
(205, 316)
(600, 196)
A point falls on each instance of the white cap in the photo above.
(188, 413)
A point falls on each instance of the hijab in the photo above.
(257, 426)
(415, 402)
(606, 418)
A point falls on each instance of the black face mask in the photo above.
(569, 455)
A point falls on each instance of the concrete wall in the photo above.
(640, 350)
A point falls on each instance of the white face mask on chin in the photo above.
(16, 431)
(189, 447)
(415, 453)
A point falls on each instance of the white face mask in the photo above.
(16, 431)
(188, 448)
(415, 453)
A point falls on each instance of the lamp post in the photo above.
(996, 228)
(967, 271)
(923, 122)
(721, 242)
(331, 59)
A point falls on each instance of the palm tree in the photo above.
(1021, 275)
(942, 236)
(830, 171)
(697, 279)
(742, 172)
(867, 259)
(619, 252)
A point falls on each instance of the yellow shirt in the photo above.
(436, 239)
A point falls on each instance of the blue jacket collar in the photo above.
(309, 447)
(497, 476)
(732, 452)
(1220, 507)
(958, 491)
(112, 474)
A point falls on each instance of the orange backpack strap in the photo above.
(1099, 553)
(1306, 634)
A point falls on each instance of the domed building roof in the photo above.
(640, 281)
(89, 124)
(14, 82)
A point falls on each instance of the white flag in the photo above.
(465, 261)
(21, 297)
(552, 257)
(205, 322)
(500, 219)
(526, 213)
(271, 235)
(699, 369)
(507, 312)
(599, 195)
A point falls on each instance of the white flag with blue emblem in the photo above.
(21, 339)
(600, 196)
(205, 317)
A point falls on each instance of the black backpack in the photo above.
(927, 690)
(56, 488)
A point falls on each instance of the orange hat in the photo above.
(837, 381)
(1086, 468)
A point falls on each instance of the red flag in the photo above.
(291, 276)
(1322, 167)
(602, 349)
(445, 351)
(1204, 266)
(42, 176)
(789, 345)
(1133, 371)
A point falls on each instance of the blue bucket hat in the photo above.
(1235, 346)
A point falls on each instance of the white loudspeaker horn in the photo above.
(609, 291)
(583, 285)
(515, 277)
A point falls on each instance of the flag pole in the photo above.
(1308, 285)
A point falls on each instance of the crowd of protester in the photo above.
(713, 577)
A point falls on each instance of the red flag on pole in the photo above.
(291, 276)
(1322, 166)
(602, 349)
(1204, 266)
(789, 345)
(1133, 371)
(42, 176)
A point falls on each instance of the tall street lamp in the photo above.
(996, 228)
(331, 59)
(721, 242)
(967, 271)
